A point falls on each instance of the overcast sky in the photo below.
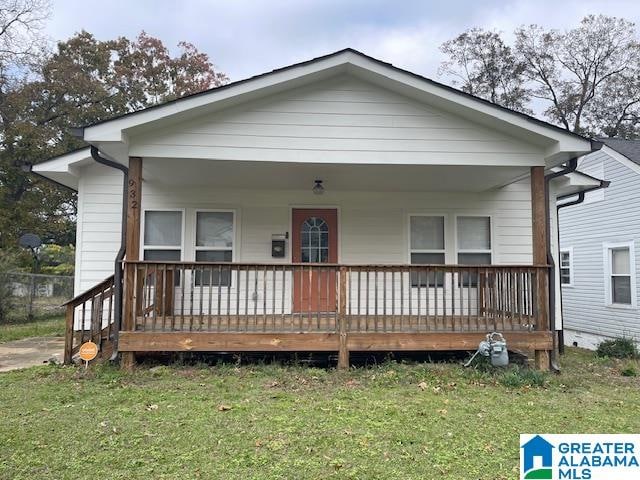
(245, 38)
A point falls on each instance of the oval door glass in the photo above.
(314, 240)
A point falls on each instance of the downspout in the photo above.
(118, 273)
(577, 201)
(569, 167)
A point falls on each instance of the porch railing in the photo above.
(90, 317)
(243, 297)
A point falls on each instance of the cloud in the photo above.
(247, 37)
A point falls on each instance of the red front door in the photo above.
(314, 240)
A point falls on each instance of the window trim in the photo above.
(234, 225)
(568, 250)
(458, 251)
(608, 274)
(431, 250)
(143, 225)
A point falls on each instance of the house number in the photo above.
(133, 193)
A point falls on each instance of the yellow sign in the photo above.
(88, 351)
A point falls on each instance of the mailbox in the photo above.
(278, 245)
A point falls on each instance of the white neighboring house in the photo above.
(403, 206)
(600, 250)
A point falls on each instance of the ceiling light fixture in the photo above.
(318, 189)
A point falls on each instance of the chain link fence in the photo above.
(26, 296)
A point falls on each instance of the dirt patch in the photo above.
(29, 352)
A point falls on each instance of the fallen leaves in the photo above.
(224, 408)
(151, 407)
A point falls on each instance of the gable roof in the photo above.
(559, 144)
(628, 148)
(334, 54)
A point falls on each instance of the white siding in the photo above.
(587, 228)
(341, 120)
(373, 227)
(98, 229)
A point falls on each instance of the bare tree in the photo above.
(21, 24)
(582, 70)
(483, 65)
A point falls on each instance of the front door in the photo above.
(314, 240)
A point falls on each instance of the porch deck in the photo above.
(226, 307)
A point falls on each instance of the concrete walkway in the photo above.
(29, 352)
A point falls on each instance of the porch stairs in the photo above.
(90, 317)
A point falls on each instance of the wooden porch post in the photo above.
(133, 250)
(539, 230)
(343, 354)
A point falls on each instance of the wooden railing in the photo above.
(90, 317)
(242, 297)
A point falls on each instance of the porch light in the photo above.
(318, 189)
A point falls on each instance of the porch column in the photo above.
(539, 231)
(133, 249)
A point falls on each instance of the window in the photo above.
(620, 274)
(162, 235)
(474, 240)
(473, 245)
(426, 247)
(566, 267)
(314, 240)
(214, 243)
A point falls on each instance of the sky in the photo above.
(245, 38)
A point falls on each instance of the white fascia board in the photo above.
(64, 169)
(558, 145)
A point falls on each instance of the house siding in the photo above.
(339, 120)
(373, 226)
(605, 218)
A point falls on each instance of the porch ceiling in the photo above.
(274, 175)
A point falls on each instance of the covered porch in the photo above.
(375, 263)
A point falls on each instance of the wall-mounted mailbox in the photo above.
(278, 245)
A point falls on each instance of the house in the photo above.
(339, 204)
(599, 239)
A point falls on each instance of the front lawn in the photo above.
(408, 421)
(47, 327)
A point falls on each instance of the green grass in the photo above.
(409, 421)
(47, 327)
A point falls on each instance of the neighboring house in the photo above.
(340, 204)
(600, 250)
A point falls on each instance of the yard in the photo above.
(396, 420)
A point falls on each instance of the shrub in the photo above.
(520, 377)
(629, 370)
(617, 348)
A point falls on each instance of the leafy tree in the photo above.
(83, 81)
(485, 66)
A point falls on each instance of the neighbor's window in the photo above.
(426, 247)
(214, 243)
(566, 267)
(620, 276)
(162, 235)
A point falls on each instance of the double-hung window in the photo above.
(162, 235)
(566, 267)
(473, 235)
(474, 240)
(427, 246)
(214, 243)
(620, 274)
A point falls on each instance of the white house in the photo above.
(336, 204)
(600, 241)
